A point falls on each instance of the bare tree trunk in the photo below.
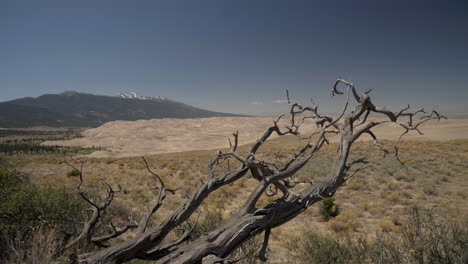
(150, 242)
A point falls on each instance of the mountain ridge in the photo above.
(77, 109)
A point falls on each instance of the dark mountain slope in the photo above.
(72, 109)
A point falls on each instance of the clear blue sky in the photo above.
(238, 56)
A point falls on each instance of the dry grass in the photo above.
(377, 199)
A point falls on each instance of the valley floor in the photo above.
(378, 199)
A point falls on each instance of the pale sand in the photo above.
(144, 137)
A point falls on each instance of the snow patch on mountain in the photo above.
(134, 95)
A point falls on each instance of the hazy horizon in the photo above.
(238, 57)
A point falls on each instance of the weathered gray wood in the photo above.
(250, 220)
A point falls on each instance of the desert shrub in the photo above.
(345, 221)
(356, 185)
(393, 197)
(393, 186)
(41, 247)
(429, 189)
(3, 162)
(315, 248)
(428, 239)
(404, 176)
(23, 205)
(247, 253)
(329, 209)
(444, 179)
(396, 220)
(339, 226)
(207, 222)
(423, 239)
(461, 192)
(386, 225)
(73, 173)
(25, 209)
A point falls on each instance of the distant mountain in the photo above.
(74, 109)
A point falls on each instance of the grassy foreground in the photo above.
(376, 205)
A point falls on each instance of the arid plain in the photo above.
(156, 136)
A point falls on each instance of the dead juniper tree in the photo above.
(151, 242)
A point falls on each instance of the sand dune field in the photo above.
(144, 137)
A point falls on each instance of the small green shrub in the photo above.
(31, 219)
(73, 173)
(23, 206)
(329, 209)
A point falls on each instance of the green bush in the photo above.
(32, 219)
(73, 173)
(23, 206)
(329, 209)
